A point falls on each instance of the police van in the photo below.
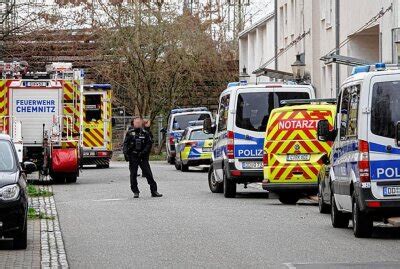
(239, 130)
(365, 162)
(178, 121)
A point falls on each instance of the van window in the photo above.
(223, 113)
(254, 108)
(344, 112)
(353, 111)
(181, 122)
(385, 108)
(93, 107)
(200, 135)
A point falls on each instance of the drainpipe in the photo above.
(337, 41)
(276, 33)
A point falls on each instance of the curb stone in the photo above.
(52, 246)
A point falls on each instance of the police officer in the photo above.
(137, 146)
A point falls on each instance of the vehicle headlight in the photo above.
(10, 192)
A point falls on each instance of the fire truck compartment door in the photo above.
(35, 108)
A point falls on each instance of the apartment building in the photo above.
(366, 31)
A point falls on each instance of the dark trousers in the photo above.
(134, 163)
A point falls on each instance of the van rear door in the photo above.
(294, 153)
(384, 154)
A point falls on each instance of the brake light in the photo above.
(230, 145)
(171, 139)
(102, 153)
(374, 204)
(236, 173)
(265, 158)
(363, 161)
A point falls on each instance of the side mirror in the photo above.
(29, 167)
(397, 134)
(323, 130)
(208, 126)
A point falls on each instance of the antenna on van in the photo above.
(308, 101)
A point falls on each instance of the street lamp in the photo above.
(298, 68)
(243, 75)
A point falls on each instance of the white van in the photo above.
(239, 132)
(178, 120)
(365, 162)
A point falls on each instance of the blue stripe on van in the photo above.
(382, 148)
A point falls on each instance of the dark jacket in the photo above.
(137, 143)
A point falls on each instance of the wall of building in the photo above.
(294, 17)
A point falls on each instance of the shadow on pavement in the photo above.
(252, 195)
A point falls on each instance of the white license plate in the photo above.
(89, 153)
(207, 149)
(298, 157)
(252, 165)
(391, 191)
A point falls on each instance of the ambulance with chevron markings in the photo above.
(292, 153)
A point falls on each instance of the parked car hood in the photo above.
(7, 178)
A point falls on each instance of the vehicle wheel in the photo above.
(58, 178)
(288, 199)
(229, 188)
(362, 222)
(71, 178)
(21, 239)
(184, 167)
(177, 166)
(322, 206)
(338, 218)
(215, 187)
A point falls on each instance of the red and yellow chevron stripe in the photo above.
(293, 130)
(4, 105)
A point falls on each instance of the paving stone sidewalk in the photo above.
(45, 244)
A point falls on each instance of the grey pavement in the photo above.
(29, 258)
(190, 227)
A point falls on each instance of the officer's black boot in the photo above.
(156, 194)
(136, 195)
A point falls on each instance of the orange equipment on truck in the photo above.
(44, 109)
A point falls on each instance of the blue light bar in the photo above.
(380, 66)
(233, 84)
(196, 123)
(360, 69)
(98, 86)
(192, 109)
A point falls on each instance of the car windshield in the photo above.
(385, 108)
(200, 135)
(181, 122)
(254, 108)
(7, 162)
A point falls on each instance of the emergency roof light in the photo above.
(192, 109)
(360, 69)
(196, 123)
(98, 86)
(239, 83)
(308, 101)
(380, 66)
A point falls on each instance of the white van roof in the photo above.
(368, 74)
(268, 85)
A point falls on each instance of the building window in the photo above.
(323, 9)
(328, 12)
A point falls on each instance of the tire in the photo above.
(288, 199)
(71, 178)
(338, 218)
(177, 166)
(322, 206)
(184, 167)
(362, 223)
(215, 187)
(229, 188)
(21, 239)
(58, 178)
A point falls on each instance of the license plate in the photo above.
(252, 165)
(89, 154)
(207, 149)
(391, 191)
(298, 157)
